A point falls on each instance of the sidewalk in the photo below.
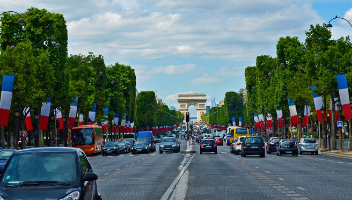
(345, 154)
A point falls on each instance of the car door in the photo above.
(89, 187)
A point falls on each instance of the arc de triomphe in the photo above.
(195, 99)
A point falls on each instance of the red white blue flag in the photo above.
(6, 97)
(72, 115)
(293, 112)
(28, 119)
(318, 103)
(92, 114)
(344, 96)
(44, 115)
(59, 118)
(80, 120)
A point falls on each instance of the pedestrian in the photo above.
(225, 138)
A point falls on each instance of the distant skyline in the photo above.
(182, 46)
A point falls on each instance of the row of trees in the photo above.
(296, 67)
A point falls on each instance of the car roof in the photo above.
(7, 150)
(49, 150)
(167, 137)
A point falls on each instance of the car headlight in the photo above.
(161, 145)
(1, 198)
(114, 147)
(146, 147)
(91, 148)
(174, 145)
(72, 196)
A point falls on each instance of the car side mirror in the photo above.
(90, 176)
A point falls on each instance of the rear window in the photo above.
(211, 142)
(276, 140)
(288, 144)
(309, 141)
(241, 131)
(254, 140)
(241, 139)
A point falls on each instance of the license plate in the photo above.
(109, 151)
(139, 149)
(255, 147)
(288, 151)
(208, 146)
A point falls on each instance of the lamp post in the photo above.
(329, 25)
(311, 123)
(322, 110)
(339, 107)
(51, 141)
(17, 114)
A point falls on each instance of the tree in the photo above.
(146, 109)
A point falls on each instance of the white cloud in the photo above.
(348, 16)
(204, 80)
(174, 69)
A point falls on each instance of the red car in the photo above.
(219, 141)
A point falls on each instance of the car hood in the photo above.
(109, 147)
(38, 193)
(167, 143)
(139, 146)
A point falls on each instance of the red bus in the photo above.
(89, 138)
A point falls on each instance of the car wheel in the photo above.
(316, 152)
(312, 153)
(279, 153)
(236, 152)
(200, 152)
(269, 152)
(161, 152)
(216, 152)
(262, 155)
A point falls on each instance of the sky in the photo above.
(181, 46)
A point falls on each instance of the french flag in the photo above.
(270, 121)
(344, 96)
(72, 115)
(261, 121)
(256, 121)
(318, 103)
(279, 119)
(293, 112)
(92, 114)
(330, 111)
(28, 119)
(80, 120)
(44, 115)
(233, 121)
(116, 118)
(59, 118)
(306, 117)
(106, 110)
(6, 97)
(239, 122)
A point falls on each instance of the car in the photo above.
(5, 155)
(287, 147)
(308, 145)
(49, 173)
(219, 141)
(130, 141)
(110, 148)
(147, 136)
(208, 145)
(208, 136)
(124, 146)
(140, 147)
(169, 144)
(157, 140)
(271, 146)
(253, 145)
(237, 145)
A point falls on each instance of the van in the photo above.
(148, 137)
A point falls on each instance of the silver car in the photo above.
(308, 145)
(235, 147)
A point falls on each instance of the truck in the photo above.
(148, 137)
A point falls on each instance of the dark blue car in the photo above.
(5, 155)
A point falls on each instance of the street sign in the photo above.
(339, 124)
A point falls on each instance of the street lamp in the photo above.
(329, 25)
(51, 141)
(311, 123)
(20, 21)
(338, 108)
(322, 110)
(17, 114)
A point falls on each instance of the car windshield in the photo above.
(275, 140)
(140, 143)
(209, 142)
(288, 144)
(110, 144)
(5, 155)
(82, 136)
(309, 141)
(168, 140)
(242, 131)
(241, 139)
(42, 166)
(253, 140)
(121, 142)
(144, 139)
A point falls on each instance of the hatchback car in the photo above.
(272, 145)
(5, 155)
(219, 141)
(236, 145)
(208, 145)
(287, 147)
(140, 147)
(49, 173)
(253, 145)
(308, 145)
(169, 144)
(110, 148)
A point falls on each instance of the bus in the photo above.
(237, 132)
(89, 138)
(228, 135)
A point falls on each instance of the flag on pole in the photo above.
(6, 97)
(92, 114)
(306, 117)
(344, 96)
(59, 118)
(293, 112)
(256, 121)
(233, 121)
(279, 119)
(44, 115)
(72, 115)
(116, 118)
(239, 122)
(80, 120)
(28, 119)
(269, 120)
(318, 103)
(261, 121)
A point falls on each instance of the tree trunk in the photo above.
(333, 125)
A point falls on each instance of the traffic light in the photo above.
(187, 116)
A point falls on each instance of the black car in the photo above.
(272, 145)
(157, 140)
(130, 141)
(110, 148)
(287, 147)
(169, 144)
(208, 145)
(49, 173)
(253, 145)
(124, 146)
(140, 147)
(5, 155)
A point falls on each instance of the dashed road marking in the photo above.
(106, 174)
(281, 179)
(267, 172)
(301, 188)
(132, 163)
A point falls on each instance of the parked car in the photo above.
(308, 145)
(169, 144)
(237, 145)
(110, 148)
(208, 145)
(271, 146)
(219, 141)
(253, 145)
(5, 155)
(124, 146)
(287, 147)
(130, 141)
(140, 147)
(49, 173)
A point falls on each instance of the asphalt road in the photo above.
(222, 176)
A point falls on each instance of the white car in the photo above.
(236, 145)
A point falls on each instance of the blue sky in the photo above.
(180, 46)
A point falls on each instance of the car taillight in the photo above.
(271, 143)
(316, 143)
(214, 145)
(245, 146)
(233, 145)
(202, 145)
(238, 143)
(262, 146)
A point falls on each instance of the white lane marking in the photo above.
(281, 179)
(341, 162)
(131, 155)
(257, 167)
(126, 165)
(132, 163)
(117, 169)
(223, 152)
(106, 174)
(301, 188)
(267, 172)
